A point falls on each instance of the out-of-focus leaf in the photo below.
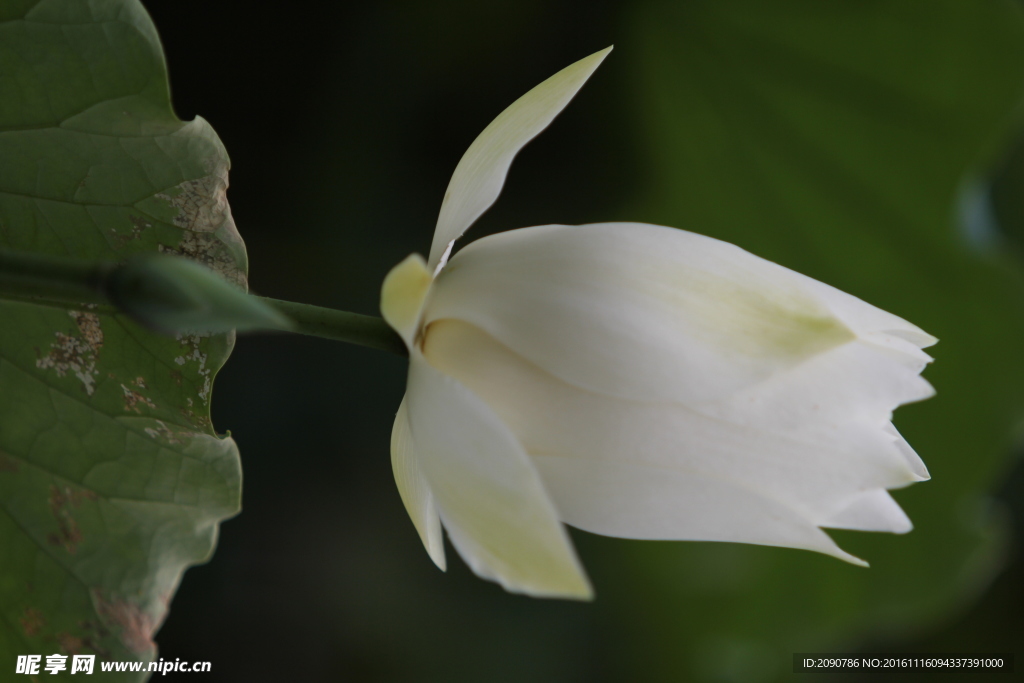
(834, 138)
(112, 480)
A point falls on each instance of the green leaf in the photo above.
(112, 480)
(834, 138)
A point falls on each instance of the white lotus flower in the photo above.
(635, 381)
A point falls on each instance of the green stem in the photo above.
(72, 284)
(329, 323)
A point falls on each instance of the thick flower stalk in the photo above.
(636, 381)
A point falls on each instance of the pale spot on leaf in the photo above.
(76, 353)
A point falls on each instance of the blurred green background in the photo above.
(868, 144)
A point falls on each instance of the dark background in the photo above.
(344, 122)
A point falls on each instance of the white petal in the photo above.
(914, 461)
(649, 502)
(839, 394)
(872, 511)
(870, 322)
(637, 311)
(667, 471)
(481, 172)
(413, 487)
(489, 496)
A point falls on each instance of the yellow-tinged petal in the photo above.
(413, 487)
(488, 493)
(869, 322)
(402, 296)
(481, 172)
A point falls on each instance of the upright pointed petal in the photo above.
(481, 172)
(413, 487)
(638, 311)
(490, 498)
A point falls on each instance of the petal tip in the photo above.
(841, 554)
(438, 556)
(927, 390)
(576, 588)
